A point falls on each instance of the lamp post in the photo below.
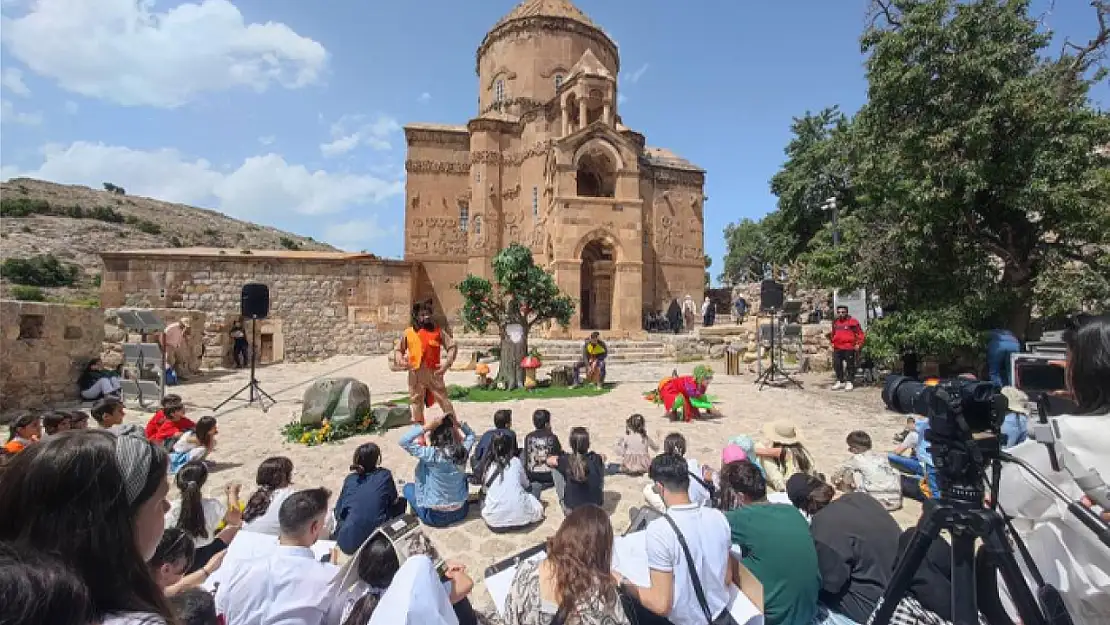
(830, 205)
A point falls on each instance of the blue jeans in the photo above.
(431, 516)
(998, 359)
(1015, 429)
(909, 465)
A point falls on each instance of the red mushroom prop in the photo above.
(530, 363)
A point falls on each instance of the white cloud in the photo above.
(125, 52)
(621, 99)
(635, 76)
(259, 187)
(351, 131)
(357, 234)
(424, 98)
(12, 80)
(267, 140)
(71, 107)
(8, 115)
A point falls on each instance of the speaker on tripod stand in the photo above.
(770, 304)
(254, 304)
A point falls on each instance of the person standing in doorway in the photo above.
(688, 313)
(239, 344)
(429, 351)
(741, 306)
(707, 312)
(846, 338)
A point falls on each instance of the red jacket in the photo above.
(846, 334)
(160, 428)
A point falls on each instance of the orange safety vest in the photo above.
(423, 347)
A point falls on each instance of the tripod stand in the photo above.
(774, 372)
(253, 388)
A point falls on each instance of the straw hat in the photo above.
(185, 323)
(782, 432)
(1018, 400)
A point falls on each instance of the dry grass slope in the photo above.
(114, 222)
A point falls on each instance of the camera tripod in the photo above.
(252, 388)
(774, 371)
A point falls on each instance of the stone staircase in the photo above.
(555, 352)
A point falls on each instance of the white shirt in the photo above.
(698, 493)
(708, 535)
(133, 618)
(288, 588)
(214, 511)
(268, 522)
(507, 503)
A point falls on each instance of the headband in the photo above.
(134, 457)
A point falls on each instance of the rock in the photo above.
(341, 400)
(391, 416)
(717, 352)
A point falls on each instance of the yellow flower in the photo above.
(306, 436)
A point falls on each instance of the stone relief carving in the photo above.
(488, 157)
(664, 177)
(439, 137)
(437, 167)
(511, 193)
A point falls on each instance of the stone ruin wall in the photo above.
(318, 307)
(115, 334)
(43, 350)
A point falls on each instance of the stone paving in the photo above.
(247, 435)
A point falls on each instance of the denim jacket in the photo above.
(440, 483)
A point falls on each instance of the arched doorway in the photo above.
(597, 280)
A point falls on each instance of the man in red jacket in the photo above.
(846, 338)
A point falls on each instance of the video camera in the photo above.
(965, 421)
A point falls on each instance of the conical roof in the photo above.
(546, 8)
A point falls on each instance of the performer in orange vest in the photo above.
(428, 351)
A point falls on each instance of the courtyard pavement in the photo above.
(248, 435)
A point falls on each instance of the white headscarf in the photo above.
(415, 597)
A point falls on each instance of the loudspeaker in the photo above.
(770, 296)
(255, 301)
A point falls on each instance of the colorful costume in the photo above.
(426, 385)
(686, 393)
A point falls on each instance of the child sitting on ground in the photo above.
(196, 444)
(54, 422)
(905, 433)
(168, 423)
(502, 424)
(635, 449)
(108, 412)
(78, 420)
(201, 517)
(25, 430)
(868, 471)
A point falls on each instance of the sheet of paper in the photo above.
(498, 585)
(630, 558)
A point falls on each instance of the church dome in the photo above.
(546, 8)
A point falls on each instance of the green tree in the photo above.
(748, 248)
(708, 264)
(41, 270)
(520, 293)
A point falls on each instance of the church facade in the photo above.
(548, 162)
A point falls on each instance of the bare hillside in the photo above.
(75, 223)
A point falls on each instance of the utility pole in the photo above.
(830, 206)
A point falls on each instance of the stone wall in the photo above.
(43, 349)
(115, 334)
(321, 304)
(713, 342)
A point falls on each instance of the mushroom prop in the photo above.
(530, 363)
(482, 370)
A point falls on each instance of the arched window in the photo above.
(478, 225)
(464, 215)
(499, 91)
(558, 81)
(597, 174)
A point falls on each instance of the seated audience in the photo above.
(932, 583)
(78, 420)
(699, 490)
(906, 431)
(1015, 426)
(775, 544)
(507, 503)
(539, 445)
(172, 558)
(731, 453)
(289, 586)
(54, 422)
(37, 589)
(367, 501)
(439, 496)
(199, 516)
(904, 456)
(502, 424)
(784, 453)
(194, 445)
(97, 382)
(689, 533)
(857, 545)
(582, 471)
(274, 479)
(574, 580)
(389, 593)
(25, 430)
(195, 606)
(108, 412)
(635, 448)
(52, 491)
(169, 423)
(746, 443)
(868, 471)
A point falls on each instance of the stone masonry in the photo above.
(43, 349)
(115, 334)
(321, 303)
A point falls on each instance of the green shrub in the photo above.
(289, 244)
(27, 293)
(96, 280)
(41, 270)
(92, 301)
(106, 213)
(148, 227)
(175, 242)
(23, 207)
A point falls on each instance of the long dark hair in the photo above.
(175, 545)
(41, 590)
(500, 454)
(1089, 363)
(675, 444)
(21, 422)
(190, 479)
(377, 565)
(203, 430)
(636, 425)
(799, 455)
(67, 496)
(272, 474)
(443, 439)
(581, 555)
(367, 457)
(579, 443)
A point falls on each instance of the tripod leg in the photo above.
(998, 547)
(233, 396)
(912, 559)
(965, 610)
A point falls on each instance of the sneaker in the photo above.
(848, 386)
(837, 386)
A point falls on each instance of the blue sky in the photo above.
(288, 112)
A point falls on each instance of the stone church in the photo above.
(549, 163)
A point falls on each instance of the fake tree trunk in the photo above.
(509, 373)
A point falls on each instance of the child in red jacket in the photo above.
(168, 423)
(846, 338)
